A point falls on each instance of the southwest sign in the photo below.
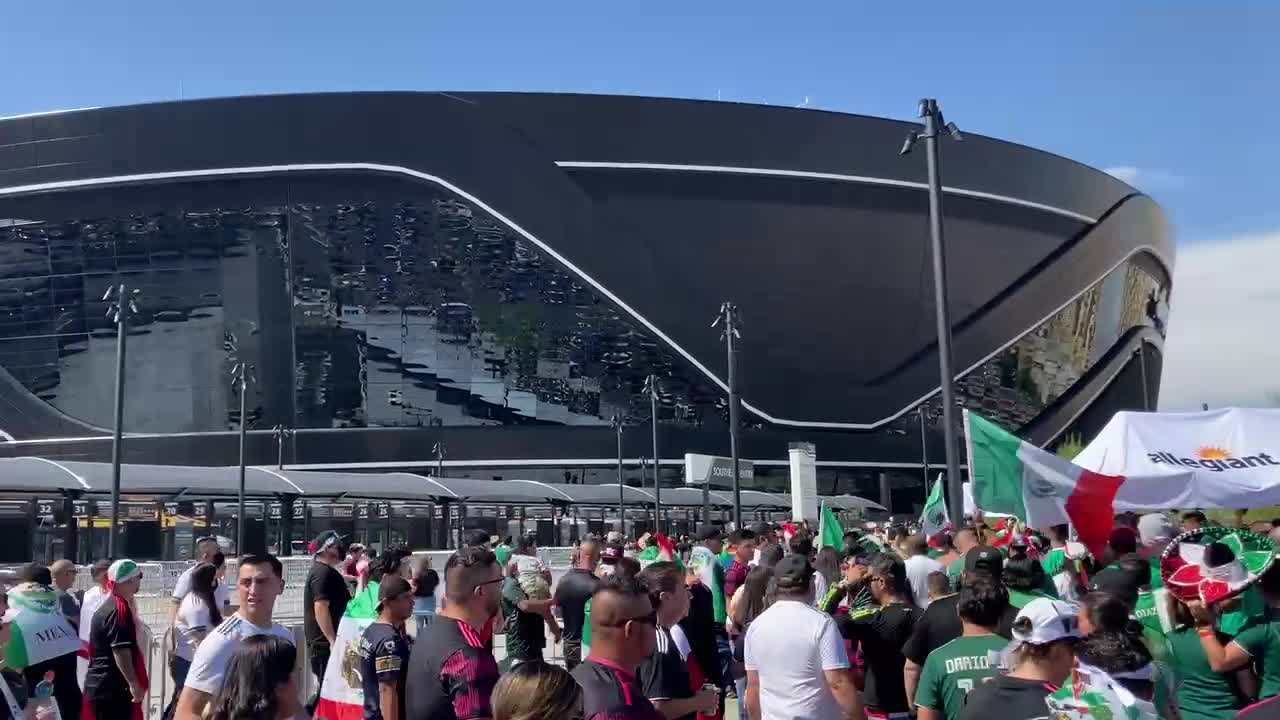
(714, 470)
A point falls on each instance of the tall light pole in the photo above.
(729, 321)
(280, 432)
(934, 125)
(241, 374)
(924, 450)
(616, 423)
(122, 304)
(651, 387)
(438, 449)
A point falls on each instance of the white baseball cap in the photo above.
(1154, 527)
(1043, 621)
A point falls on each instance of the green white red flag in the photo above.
(342, 694)
(934, 520)
(1036, 486)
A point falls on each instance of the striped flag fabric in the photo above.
(1036, 486)
(934, 520)
(342, 695)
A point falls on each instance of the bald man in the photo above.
(622, 637)
(572, 593)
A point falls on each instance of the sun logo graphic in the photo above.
(1214, 458)
(1212, 452)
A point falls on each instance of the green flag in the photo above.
(934, 520)
(830, 534)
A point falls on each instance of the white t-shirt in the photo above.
(211, 658)
(918, 569)
(193, 616)
(221, 593)
(792, 684)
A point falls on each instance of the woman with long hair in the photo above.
(537, 691)
(827, 564)
(198, 614)
(425, 581)
(259, 683)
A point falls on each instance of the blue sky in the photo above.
(1178, 97)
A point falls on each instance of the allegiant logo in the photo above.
(1215, 459)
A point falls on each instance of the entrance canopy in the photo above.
(42, 476)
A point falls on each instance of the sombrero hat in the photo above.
(1215, 563)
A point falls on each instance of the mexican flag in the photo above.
(710, 572)
(1036, 486)
(830, 533)
(342, 696)
(934, 521)
(40, 632)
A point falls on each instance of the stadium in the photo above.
(496, 275)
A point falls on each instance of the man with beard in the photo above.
(881, 634)
(452, 667)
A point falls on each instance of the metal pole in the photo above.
(1142, 369)
(730, 314)
(657, 483)
(932, 127)
(117, 438)
(924, 452)
(240, 496)
(439, 448)
(622, 495)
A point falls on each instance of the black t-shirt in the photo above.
(1007, 698)
(700, 628)
(882, 633)
(526, 631)
(664, 675)
(611, 693)
(384, 657)
(108, 630)
(323, 583)
(452, 673)
(572, 593)
(939, 624)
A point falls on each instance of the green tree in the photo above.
(1070, 447)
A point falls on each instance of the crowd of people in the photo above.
(987, 622)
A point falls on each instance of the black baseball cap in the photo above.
(793, 572)
(392, 588)
(710, 532)
(761, 528)
(984, 559)
(1115, 581)
(324, 540)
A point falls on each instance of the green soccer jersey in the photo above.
(1054, 561)
(1150, 611)
(1203, 694)
(1261, 639)
(954, 669)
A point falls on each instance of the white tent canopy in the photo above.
(33, 475)
(1228, 458)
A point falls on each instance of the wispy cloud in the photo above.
(1145, 178)
(1221, 347)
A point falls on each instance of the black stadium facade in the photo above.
(499, 272)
